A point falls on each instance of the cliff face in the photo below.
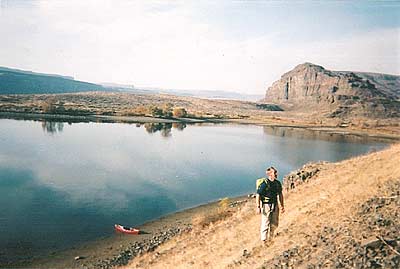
(337, 93)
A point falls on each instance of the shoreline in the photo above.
(369, 133)
(118, 249)
(94, 118)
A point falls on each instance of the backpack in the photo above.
(259, 181)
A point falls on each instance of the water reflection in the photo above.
(164, 128)
(302, 133)
(26, 228)
(52, 127)
(179, 125)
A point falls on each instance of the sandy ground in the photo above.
(328, 202)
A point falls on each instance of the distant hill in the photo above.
(214, 94)
(2, 68)
(14, 81)
(209, 94)
(310, 87)
(389, 84)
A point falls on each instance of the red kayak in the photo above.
(127, 230)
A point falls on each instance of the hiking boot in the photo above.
(268, 242)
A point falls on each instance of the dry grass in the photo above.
(115, 103)
(205, 219)
(328, 199)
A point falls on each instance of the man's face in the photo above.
(271, 174)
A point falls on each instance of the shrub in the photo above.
(52, 106)
(179, 112)
(49, 106)
(223, 203)
(136, 111)
(156, 111)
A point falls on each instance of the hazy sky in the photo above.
(217, 45)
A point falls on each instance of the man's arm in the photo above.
(259, 191)
(258, 203)
(281, 202)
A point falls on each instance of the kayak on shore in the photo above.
(127, 230)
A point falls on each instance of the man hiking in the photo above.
(267, 203)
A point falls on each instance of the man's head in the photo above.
(272, 173)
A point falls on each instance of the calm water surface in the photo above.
(63, 184)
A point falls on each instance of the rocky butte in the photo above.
(312, 88)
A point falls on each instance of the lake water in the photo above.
(63, 184)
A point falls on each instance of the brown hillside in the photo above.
(346, 216)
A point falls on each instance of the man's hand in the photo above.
(258, 210)
(283, 209)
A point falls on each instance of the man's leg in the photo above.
(265, 221)
(274, 220)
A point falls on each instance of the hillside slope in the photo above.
(120, 103)
(346, 216)
(389, 84)
(310, 87)
(14, 81)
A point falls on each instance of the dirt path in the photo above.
(322, 220)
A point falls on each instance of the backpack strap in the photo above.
(259, 182)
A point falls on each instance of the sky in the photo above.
(241, 46)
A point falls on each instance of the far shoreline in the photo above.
(370, 132)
